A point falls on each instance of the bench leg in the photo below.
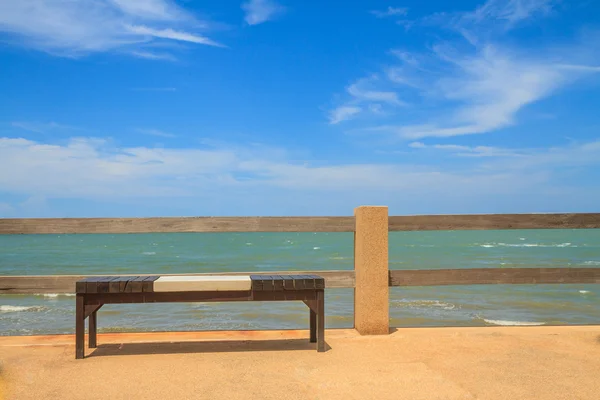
(320, 320)
(313, 326)
(79, 326)
(92, 329)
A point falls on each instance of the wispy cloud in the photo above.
(259, 11)
(39, 127)
(152, 9)
(343, 113)
(365, 95)
(76, 28)
(471, 151)
(153, 56)
(171, 34)
(92, 168)
(480, 85)
(511, 11)
(390, 12)
(156, 132)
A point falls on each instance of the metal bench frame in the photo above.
(93, 293)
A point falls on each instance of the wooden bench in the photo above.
(94, 292)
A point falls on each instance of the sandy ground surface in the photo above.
(418, 363)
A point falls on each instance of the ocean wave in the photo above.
(54, 295)
(424, 304)
(526, 245)
(7, 308)
(512, 323)
(591, 263)
(339, 258)
(584, 291)
(316, 248)
(149, 253)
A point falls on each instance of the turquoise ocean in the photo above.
(220, 252)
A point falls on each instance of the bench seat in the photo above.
(94, 292)
(203, 283)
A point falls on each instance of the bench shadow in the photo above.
(224, 346)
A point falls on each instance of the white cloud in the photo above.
(473, 151)
(343, 113)
(365, 92)
(153, 56)
(493, 18)
(75, 28)
(156, 132)
(362, 91)
(259, 11)
(488, 89)
(39, 127)
(480, 86)
(511, 11)
(171, 34)
(151, 9)
(97, 170)
(390, 11)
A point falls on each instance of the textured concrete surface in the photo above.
(371, 298)
(418, 363)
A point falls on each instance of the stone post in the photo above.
(371, 294)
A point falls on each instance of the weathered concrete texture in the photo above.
(371, 298)
(515, 363)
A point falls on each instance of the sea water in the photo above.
(168, 253)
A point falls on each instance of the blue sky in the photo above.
(261, 107)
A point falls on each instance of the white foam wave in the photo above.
(584, 291)
(512, 323)
(7, 308)
(526, 245)
(54, 295)
(149, 253)
(424, 304)
(316, 248)
(591, 263)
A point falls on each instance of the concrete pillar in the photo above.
(371, 295)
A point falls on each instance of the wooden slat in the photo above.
(483, 276)
(115, 285)
(268, 284)
(309, 282)
(24, 284)
(129, 284)
(148, 285)
(299, 282)
(277, 282)
(104, 285)
(288, 282)
(493, 221)
(178, 224)
(166, 297)
(137, 284)
(92, 284)
(294, 224)
(257, 282)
